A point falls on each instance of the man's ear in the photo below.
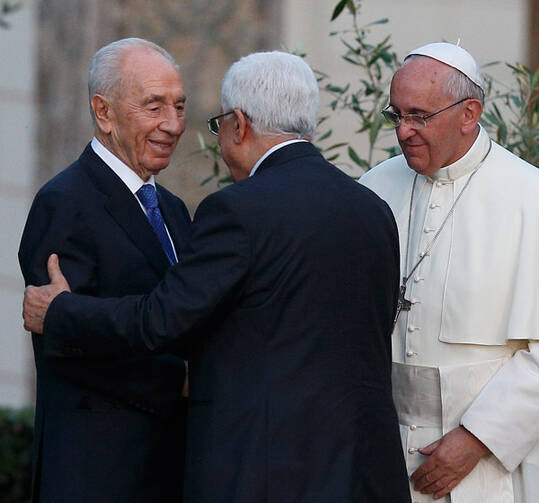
(471, 112)
(102, 109)
(241, 125)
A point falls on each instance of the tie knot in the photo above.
(148, 196)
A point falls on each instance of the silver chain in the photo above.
(449, 213)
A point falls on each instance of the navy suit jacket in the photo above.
(284, 302)
(106, 430)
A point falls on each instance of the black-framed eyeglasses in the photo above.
(213, 122)
(417, 121)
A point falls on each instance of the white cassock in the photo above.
(467, 352)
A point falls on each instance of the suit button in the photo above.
(412, 450)
(410, 353)
(413, 427)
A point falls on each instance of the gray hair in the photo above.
(276, 90)
(104, 75)
(458, 86)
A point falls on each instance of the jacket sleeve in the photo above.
(55, 225)
(505, 415)
(212, 269)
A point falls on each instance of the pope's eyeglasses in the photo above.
(417, 121)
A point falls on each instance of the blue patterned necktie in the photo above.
(148, 198)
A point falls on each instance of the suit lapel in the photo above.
(123, 207)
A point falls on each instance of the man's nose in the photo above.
(172, 123)
(405, 130)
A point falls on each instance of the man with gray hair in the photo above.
(466, 342)
(111, 430)
(283, 303)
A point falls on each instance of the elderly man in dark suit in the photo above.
(111, 430)
(284, 303)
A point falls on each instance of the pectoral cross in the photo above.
(403, 304)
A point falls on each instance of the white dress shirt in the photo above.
(127, 175)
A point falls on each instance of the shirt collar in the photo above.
(126, 174)
(271, 150)
(468, 162)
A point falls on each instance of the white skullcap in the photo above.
(454, 56)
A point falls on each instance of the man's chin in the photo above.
(415, 164)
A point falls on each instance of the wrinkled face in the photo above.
(417, 88)
(148, 112)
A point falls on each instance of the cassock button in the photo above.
(413, 427)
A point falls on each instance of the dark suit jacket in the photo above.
(106, 430)
(284, 301)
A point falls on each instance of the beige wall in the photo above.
(17, 125)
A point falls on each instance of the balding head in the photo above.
(104, 75)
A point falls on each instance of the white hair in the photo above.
(458, 86)
(276, 90)
(104, 75)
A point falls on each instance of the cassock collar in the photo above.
(467, 163)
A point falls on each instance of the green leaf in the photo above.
(206, 180)
(516, 100)
(375, 128)
(502, 133)
(353, 155)
(327, 134)
(332, 158)
(492, 63)
(388, 58)
(225, 179)
(322, 119)
(380, 21)
(335, 89)
(534, 80)
(201, 141)
(350, 60)
(369, 89)
(351, 7)
(338, 9)
(336, 145)
(393, 151)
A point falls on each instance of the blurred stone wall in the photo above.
(205, 37)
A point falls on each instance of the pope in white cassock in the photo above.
(466, 341)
